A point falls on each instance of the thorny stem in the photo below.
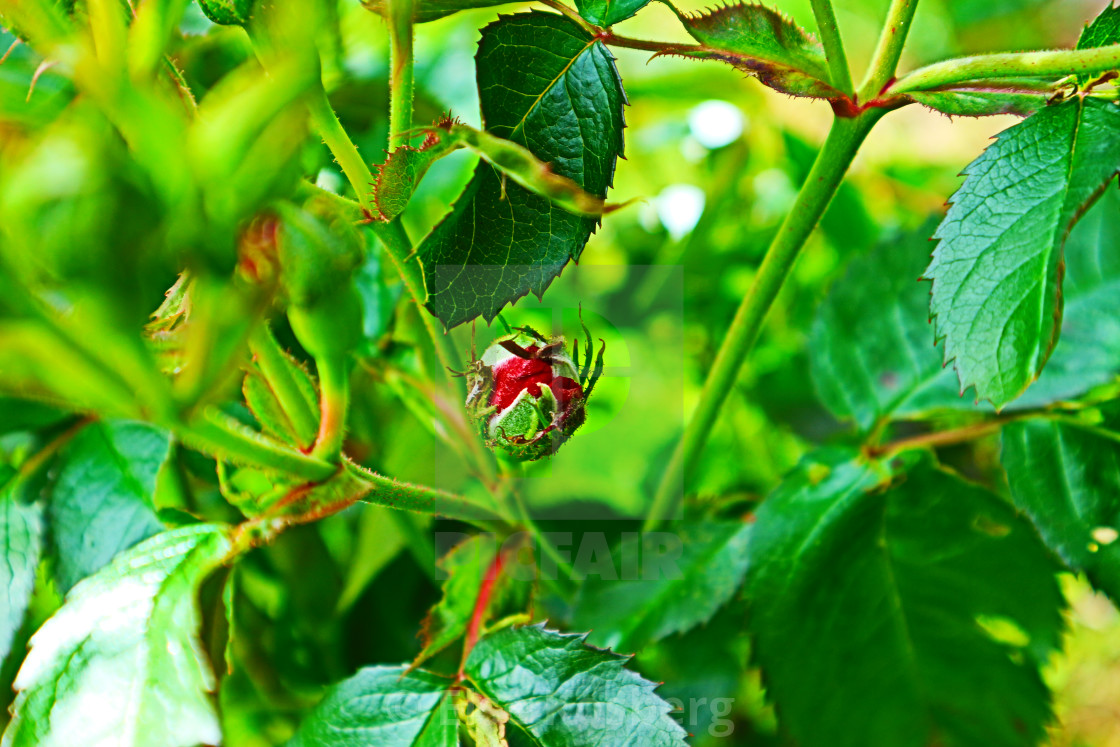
(833, 46)
(609, 37)
(401, 77)
(884, 63)
(1054, 63)
(832, 163)
(392, 235)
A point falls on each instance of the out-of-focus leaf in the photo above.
(900, 616)
(760, 42)
(501, 241)
(628, 613)
(871, 346)
(120, 664)
(21, 542)
(382, 705)
(997, 269)
(562, 692)
(871, 351)
(1067, 479)
(101, 503)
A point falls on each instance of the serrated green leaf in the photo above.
(21, 542)
(899, 617)
(626, 614)
(997, 269)
(760, 42)
(547, 85)
(1067, 480)
(382, 706)
(608, 12)
(561, 691)
(120, 664)
(101, 503)
(1103, 31)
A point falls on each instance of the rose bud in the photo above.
(527, 395)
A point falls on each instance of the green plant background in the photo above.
(372, 568)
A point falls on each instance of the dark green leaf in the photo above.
(382, 706)
(627, 613)
(102, 499)
(120, 663)
(21, 541)
(760, 42)
(608, 12)
(905, 616)
(1067, 479)
(563, 692)
(547, 85)
(997, 271)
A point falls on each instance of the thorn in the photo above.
(44, 66)
(13, 46)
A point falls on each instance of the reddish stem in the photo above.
(485, 592)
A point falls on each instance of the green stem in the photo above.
(277, 371)
(401, 77)
(423, 499)
(1054, 63)
(884, 63)
(334, 399)
(833, 46)
(224, 437)
(392, 235)
(825, 177)
(325, 121)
